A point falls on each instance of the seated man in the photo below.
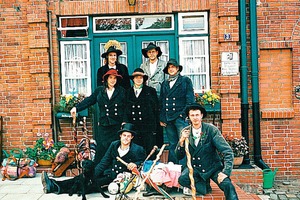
(205, 144)
(108, 168)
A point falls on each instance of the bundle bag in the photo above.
(16, 166)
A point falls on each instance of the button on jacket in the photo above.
(205, 157)
(109, 165)
(173, 100)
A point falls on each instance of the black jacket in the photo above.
(111, 111)
(122, 70)
(109, 165)
(142, 111)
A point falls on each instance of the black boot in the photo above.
(49, 185)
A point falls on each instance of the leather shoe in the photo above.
(49, 185)
(150, 193)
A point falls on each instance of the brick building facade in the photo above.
(31, 75)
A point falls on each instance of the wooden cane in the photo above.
(191, 170)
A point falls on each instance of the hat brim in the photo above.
(144, 52)
(126, 130)
(165, 70)
(117, 51)
(195, 106)
(139, 74)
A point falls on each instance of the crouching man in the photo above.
(109, 167)
(205, 145)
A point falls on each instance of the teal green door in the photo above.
(132, 54)
(132, 50)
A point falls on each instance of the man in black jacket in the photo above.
(206, 143)
(109, 167)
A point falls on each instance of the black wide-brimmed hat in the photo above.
(139, 72)
(128, 127)
(195, 106)
(172, 62)
(111, 49)
(149, 47)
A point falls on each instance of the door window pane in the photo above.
(164, 47)
(75, 68)
(122, 58)
(112, 24)
(194, 57)
(153, 22)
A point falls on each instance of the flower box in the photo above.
(213, 109)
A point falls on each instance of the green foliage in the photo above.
(207, 98)
(238, 145)
(44, 148)
(67, 102)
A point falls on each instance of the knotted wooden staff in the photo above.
(191, 170)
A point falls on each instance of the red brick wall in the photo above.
(25, 92)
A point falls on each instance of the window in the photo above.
(193, 23)
(133, 23)
(75, 67)
(194, 56)
(73, 26)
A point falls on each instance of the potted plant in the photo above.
(239, 147)
(67, 102)
(210, 100)
(44, 150)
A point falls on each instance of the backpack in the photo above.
(16, 166)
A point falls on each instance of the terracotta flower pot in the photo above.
(42, 162)
(237, 161)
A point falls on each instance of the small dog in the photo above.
(84, 183)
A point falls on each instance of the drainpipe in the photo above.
(54, 127)
(244, 77)
(255, 87)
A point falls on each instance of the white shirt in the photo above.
(196, 135)
(172, 83)
(153, 67)
(123, 152)
(112, 67)
(137, 91)
(110, 92)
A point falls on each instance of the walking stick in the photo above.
(191, 170)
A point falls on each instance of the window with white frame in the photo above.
(73, 26)
(75, 67)
(193, 23)
(194, 56)
(193, 50)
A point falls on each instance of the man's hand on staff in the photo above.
(184, 134)
(131, 166)
(73, 112)
(221, 177)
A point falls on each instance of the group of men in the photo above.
(211, 156)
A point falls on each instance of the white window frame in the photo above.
(73, 28)
(191, 14)
(133, 19)
(63, 67)
(182, 56)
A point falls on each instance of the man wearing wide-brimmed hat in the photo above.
(142, 110)
(110, 98)
(153, 66)
(108, 168)
(111, 55)
(206, 144)
(176, 93)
